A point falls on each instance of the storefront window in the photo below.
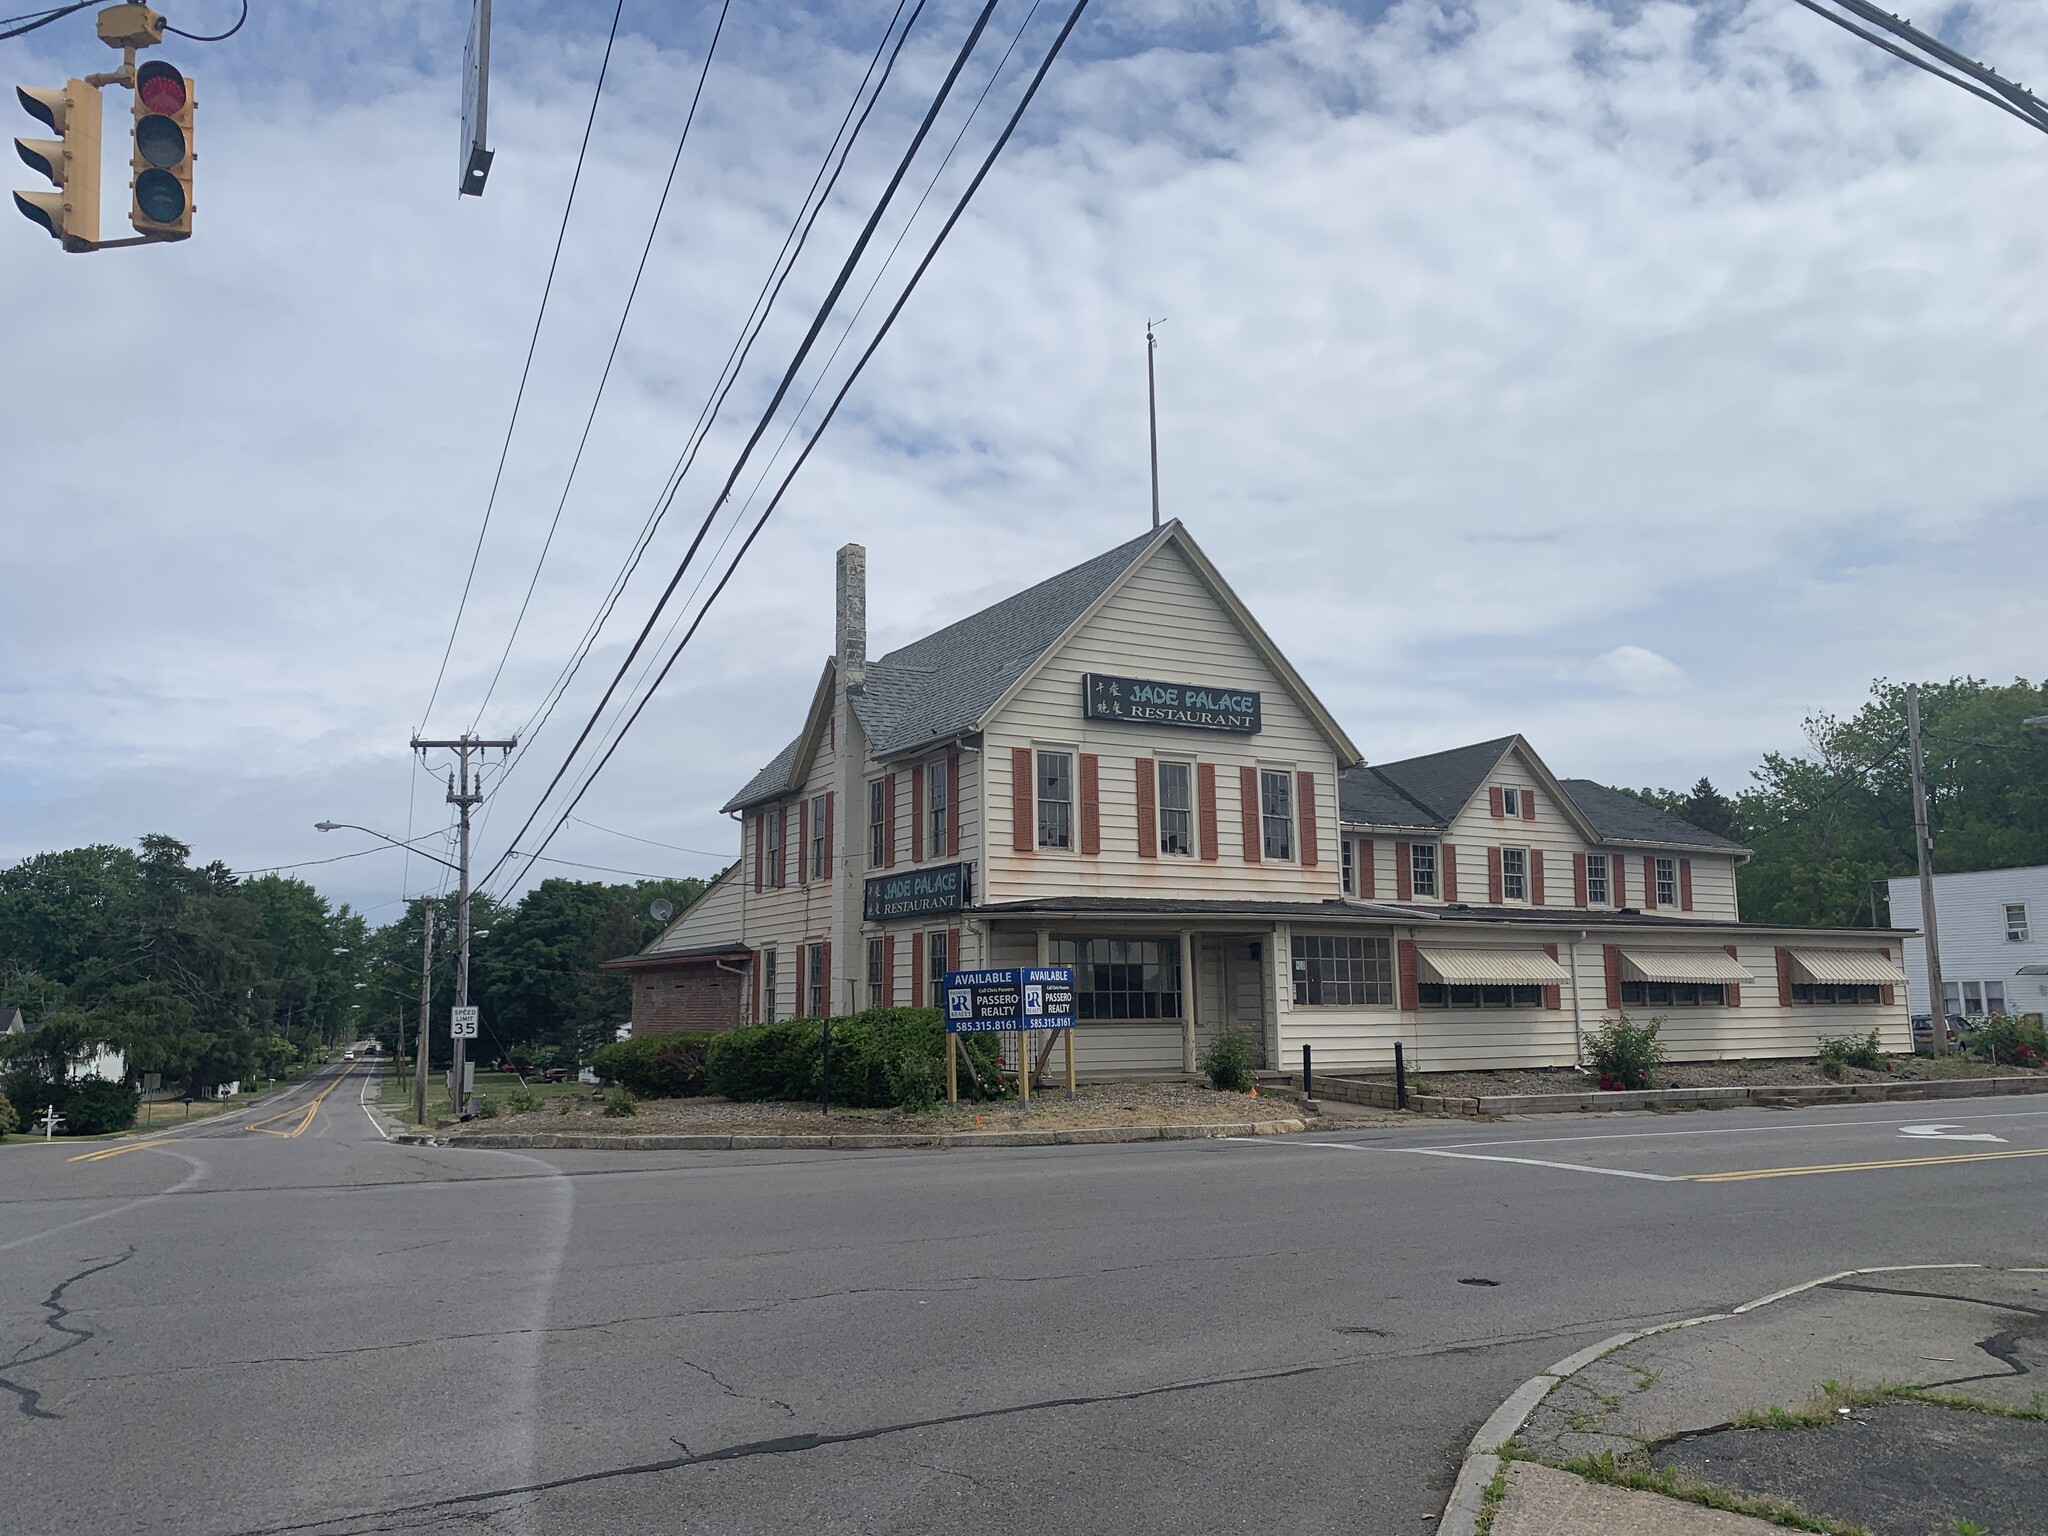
(1341, 971)
(1435, 994)
(1123, 978)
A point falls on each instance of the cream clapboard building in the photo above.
(1118, 770)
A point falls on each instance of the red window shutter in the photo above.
(1884, 994)
(888, 821)
(1404, 874)
(917, 970)
(1685, 885)
(917, 813)
(888, 970)
(1448, 875)
(1734, 992)
(1610, 959)
(1410, 998)
(1205, 789)
(760, 859)
(803, 842)
(952, 955)
(1493, 880)
(1091, 803)
(952, 805)
(1363, 863)
(825, 969)
(756, 969)
(1536, 879)
(1020, 800)
(1578, 879)
(1553, 996)
(1496, 802)
(1617, 879)
(1248, 800)
(1305, 791)
(1148, 809)
(1784, 978)
(1528, 805)
(1649, 883)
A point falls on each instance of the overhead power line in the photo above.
(526, 371)
(1929, 53)
(960, 208)
(29, 21)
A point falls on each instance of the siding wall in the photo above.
(1970, 909)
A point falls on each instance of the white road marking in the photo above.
(364, 1100)
(1947, 1133)
(1726, 1130)
(1481, 1157)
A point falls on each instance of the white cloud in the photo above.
(1500, 337)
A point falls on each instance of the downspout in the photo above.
(1578, 1023)
(739, 971)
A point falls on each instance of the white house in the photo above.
(1118, 770)
(103, 1061)
(1989, 923)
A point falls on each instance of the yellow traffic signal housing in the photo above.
(161, 207)
(71, 162)
(130, 26)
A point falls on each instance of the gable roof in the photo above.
(1443, 783)
(1622, 818)
(949, 683)
(1369, 797)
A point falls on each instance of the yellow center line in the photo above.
(1740, 1174)
(312, 1109)
(101, 1154)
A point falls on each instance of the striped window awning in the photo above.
(1853, 967)
(1491, 967)
(1710, 967)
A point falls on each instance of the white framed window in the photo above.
(1422, 869)
(1055, 784)
(819, 868)
(1176, 807)
(1350, 856)
(937, 962)
(1342, 971)
(1994, 997)
(874, 973)
(1276, 813)
(935, 810)
(815, 981)
(1514, 874)
(1598, 891)
(771, 849)
(1511, 802)
(1667, 882)
(878, 823)
(768, 975)
(2015, 922)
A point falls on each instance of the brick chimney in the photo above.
(851, 611)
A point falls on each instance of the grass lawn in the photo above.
(496, 1086)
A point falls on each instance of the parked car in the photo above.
(555, 1075)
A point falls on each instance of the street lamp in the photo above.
(336, 826)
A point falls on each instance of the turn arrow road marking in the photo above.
(1948, 1133)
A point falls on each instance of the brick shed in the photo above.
(688, 991)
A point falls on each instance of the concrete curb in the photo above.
(1377, 1095)
(738, 1141)
(1482, 1456)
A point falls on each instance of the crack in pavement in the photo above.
(2002, 1347)
(30, 1399)
(734, 1392)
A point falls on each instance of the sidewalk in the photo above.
(1893, 1402)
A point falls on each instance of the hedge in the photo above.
(883, 1057)
(655, 1066)
(90, 1107)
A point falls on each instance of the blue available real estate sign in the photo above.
(1020, 997)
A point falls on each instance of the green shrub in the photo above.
(885, 1057)
(656, 1066)
(1229, 1061)
(1835, 1052)
(486, 1107)
(1624, 1052)
(618, 1104)
(10, 1122)
(522, 1101)
(95, 1107)
(2008, 1040)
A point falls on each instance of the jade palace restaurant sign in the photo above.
(918, 892)
(1150, 701)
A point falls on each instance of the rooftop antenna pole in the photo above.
(1152, 410)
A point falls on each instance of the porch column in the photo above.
(1279, 992)
(1187, 1001)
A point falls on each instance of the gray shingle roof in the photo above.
(1626, 819)
(1443, 783)
(1366, 795)
(769, 782)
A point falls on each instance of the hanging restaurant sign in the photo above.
(918, 892)
(1151, 701)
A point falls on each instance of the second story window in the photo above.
(1667, 882)
(2015, 922)
(1514, 874)
(935, 811)
(820, 870)
(1422, 868)
(1350, 867)
(878, 824)
(1276, 813)
(771, 852)
(1598, 892)
(1055, 800)
(1176, 808)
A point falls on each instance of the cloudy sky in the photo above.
(1639, 377)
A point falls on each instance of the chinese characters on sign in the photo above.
(1153, 702)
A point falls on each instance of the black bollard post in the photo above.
(828, 1068)
(1308, 1074)
(1400, 1078)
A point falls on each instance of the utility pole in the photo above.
(465, 790)
(1152, 410)
(1923, 851)
(419, 1076)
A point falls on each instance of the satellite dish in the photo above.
(663, 909)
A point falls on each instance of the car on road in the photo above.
(348, 1055)
(555, 1075)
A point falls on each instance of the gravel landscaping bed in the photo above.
(1716, 1074)
(1095, 1106)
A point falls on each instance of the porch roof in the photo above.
(702, 955)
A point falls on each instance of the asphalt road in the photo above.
(284, 1322)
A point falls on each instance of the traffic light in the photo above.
(162, 204)
(71, 161)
